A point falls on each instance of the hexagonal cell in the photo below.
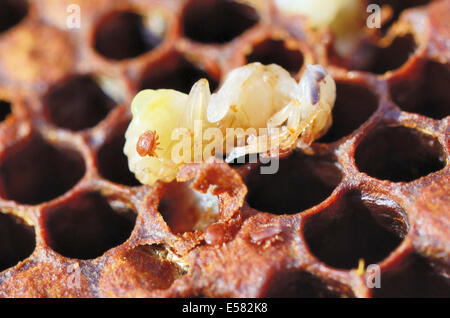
(354, 105)
(112, 162)
(428, 95)
(414, 278)
(36, 172)
(5, 110)
(393, 56)
(301, 182)
(17, 240)
(208, 21)
(276, 51)
(88, 225)
(174, 72)
(379, 60)
(124, 35)
(11, 13)
(300, 284)
(77, 103)
(355, 227)
(186, 210)
(399, 154)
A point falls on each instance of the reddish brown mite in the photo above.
(148, 144)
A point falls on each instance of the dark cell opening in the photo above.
(354, 105)
(304, 285)
(175, 72)
(301, 182)
(393, 56)
(77, 103)
(5, 110)
(415, 278)
(355, 227)
(275, 51)
(399, 154)
(88, 226)
(17, 240)
(379, 60)
(123, 35)
(12, 12)
(428, 95)
(112, 162)
(37, 172)
(217, 21)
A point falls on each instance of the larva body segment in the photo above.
(159, 111)
(273, 109)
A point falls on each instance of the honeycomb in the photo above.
(74, 222)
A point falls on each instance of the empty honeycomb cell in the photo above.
(354, 105)
(174, 72)
(276, 51)
(112, 162)
(379, 60)
(355, 227)
(88, 225)
(11, 13)
(428, 95)
(77, 103)
(17, 240)
(185, 210)
(35, 171)
(217, 21)
(301, 182)
(399, 154)
(301, 284)
(124, 35)
(5, 110)
(416, 278)
(393, 56)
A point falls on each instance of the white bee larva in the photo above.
(265, 102)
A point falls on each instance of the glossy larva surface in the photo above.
(275, 111)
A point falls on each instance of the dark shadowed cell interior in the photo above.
(13, 229)
(175, 72)
(12, 12)
(77, 103)
(112, 162)
(123, 35)
(208, 21)
(399, 154)
(301, 182)
(355, 227)
(37, 171)
(5, 110)
(275, 51)
(427, 94)
(354, 105)
(88, 226)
